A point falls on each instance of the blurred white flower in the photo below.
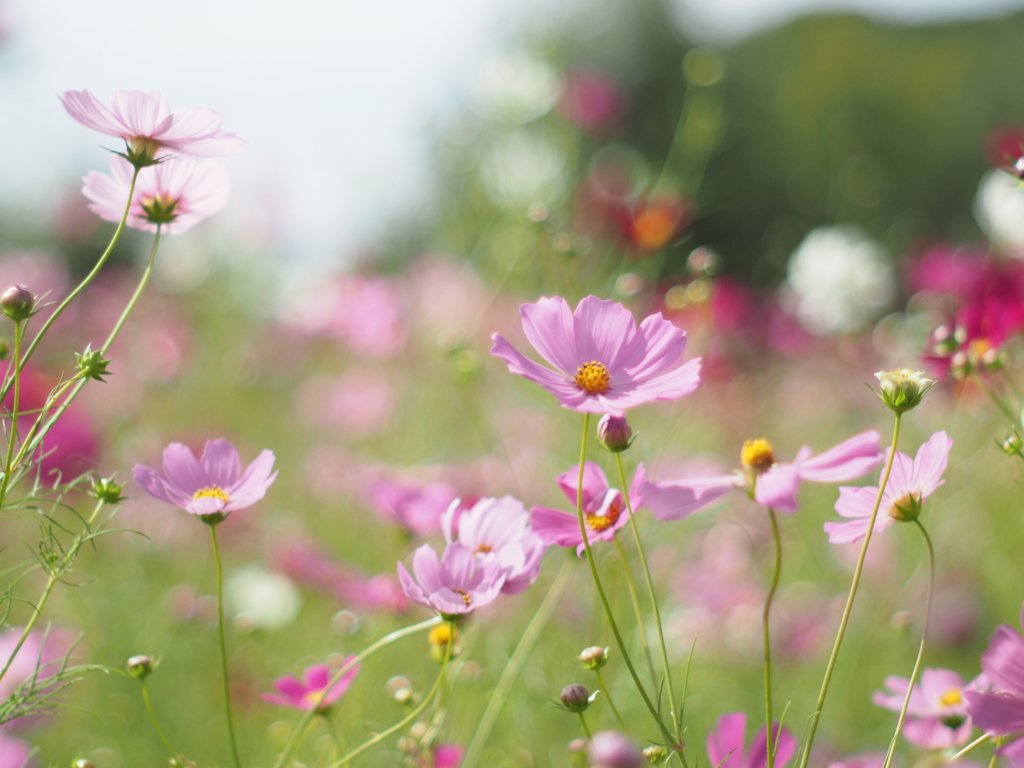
(523, 168)
(260, 599)
(999, 211)
(841, 280)
(516, 88)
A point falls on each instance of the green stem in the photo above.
(334, 736)
(12, 438)
(995, 398)
(636, 607)
(156, 723)
(971, 747)
(805, 755)
(586, 729)
(920, 650)
(308, 715)
(654, 602)
(769, 733)
(515, 663)
(223, 646)
(995, 752)
(408, 718)
(611, 703)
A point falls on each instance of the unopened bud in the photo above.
(614, 433)
(575, 697)
(140, 666)
(440, 637)
(902, 389)
(594, 657)
(1012, 445)
(654, 754)
(92, 364)
(403, 695)
(83, 763)
(107, 491)
(418, 730)
(906, 509)
(1018, 168)
(17, 303)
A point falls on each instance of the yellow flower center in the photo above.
(951, 697)
(464, 593)
(757, 455)
(441, 634)
(483, 549)
(592, 378)
(310, 698)
(603, 522)
(211, 491)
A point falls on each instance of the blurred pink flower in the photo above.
(911, 482)
(303, 694)
(449, 299)
(612, 749)
(211, 487)
(14, 753)
(445, 755)
(357, 404)
(454, 585)
(604, 363)
(40, 657)
(604, 510)
(175, 195)
(727, 744)
(937, 713)
(998, 707)
(592, 101)
(145, 122)
(417, 508)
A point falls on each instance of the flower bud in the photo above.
(594, 657)
(440, 636)
(92, 364)
(614, 433)
(107, 491)
(403, 695)
(1012, 445)
(906, 509)
(576, 746)
(17, 303)
(575, 697)
(83, 763)
(611, 749)
(902, 389)
(654, 754)
(140, 666)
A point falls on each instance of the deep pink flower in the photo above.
(175, 195)
(498, 529)
(303, 694)
(937, 712)
(727, 744)
(592, 101)
(417, 508)
(145, 122)
(445, 755)
(1000, 709)
(456, 584)
(775, 486)
(911, 482)
(603, 362)
(604, 509)
(612, 749)
(211, 487)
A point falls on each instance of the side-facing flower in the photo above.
(212, 487)
(911, 482)
(604, 509)
(498, 529)
(304, 694)
(1000, 710)
(453, 585)
(727, 744)
(603, 362)
(175, 195)
(770, 484)
(937, 712)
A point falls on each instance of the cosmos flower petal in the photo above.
(726, 743)
(548, 326)
(139, 112)
(595, 484)
(670, 386)
(677, 499)
(777, 488)
(458, 566)
(560, 386)
(999, 713)
(254, 482)
(758, 755)
(91, 112)
(930, 463)
(850, 459)
(181, 469)
(1003, 661)
(555, 527)
(205, 505)
(656, 349)
(603, 330)
(220, 463)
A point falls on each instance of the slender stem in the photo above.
(12, 438)
(307, 717)
(223, 646)
(156, 723)
(600, 589)
(920, 650)
(816, 716)
(971, 747)
(408, 718)
(611, 703)
(995, 752)
(654, 602)
(334, 736)
(586, 729)
(769, 732)
(515, 663)
(636, 607)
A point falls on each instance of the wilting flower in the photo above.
(304, 694)
(911, 482)
(611, 749)
(1001, 711)
(771, 484)
(454, 585)
(211, 487)
(145, 122)
(499, 530)
(174, 195)
(937, 712)
(604, 363)
(727, 744)
(604, 509)
(417, 508)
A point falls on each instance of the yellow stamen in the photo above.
(310, 698)
(441, 634)
(757, 455)
(951, 697)
(593, 378)
(603, 522)
(211, 491)
(483, 549)
(464, 593)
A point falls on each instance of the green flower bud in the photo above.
(902, 389)
(141, 666)
(654, 754)
(1012, 445)
(594, 657)
(107, 491)
(906, 509)
(92, 364)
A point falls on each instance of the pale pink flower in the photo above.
(604, 509)
(604, 363)
(775, 485)
(145, 122)
(15, 753)
(612, 749)
(303, 694)
(39, 658)
(937, 712)
(728, 741)
(417, 508)
(175, 194)
(911, 482)
(998, 707)
(454, 585)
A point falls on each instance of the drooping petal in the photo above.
(92, 113)
(677, 499)
(777, 488)
(548, 326)
(850, 459)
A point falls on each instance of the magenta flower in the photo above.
(604, 509)
(498, 529)
(911, 482)
(445, 755)
(1001, 709)
(211, 487)
(456, 584)
(612, 749)
(937, 712)
(603, 362)
(770, 484)
(175, 195)
(145, 122)
(727, 744)
(303, 694)
(417, 508)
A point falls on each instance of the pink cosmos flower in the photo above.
(604, 509)
(910, 483)
(211, 487)
(303, 694)
(14, 753)
(40, 657)
(603, 362)
(937, 712)
(145, 122)
(612, 749)
(456, 584)
(771, 484)
(727, 744)
(175, 195)
(445, 755)
(499, 530)
(417, 508)
(999, 706)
